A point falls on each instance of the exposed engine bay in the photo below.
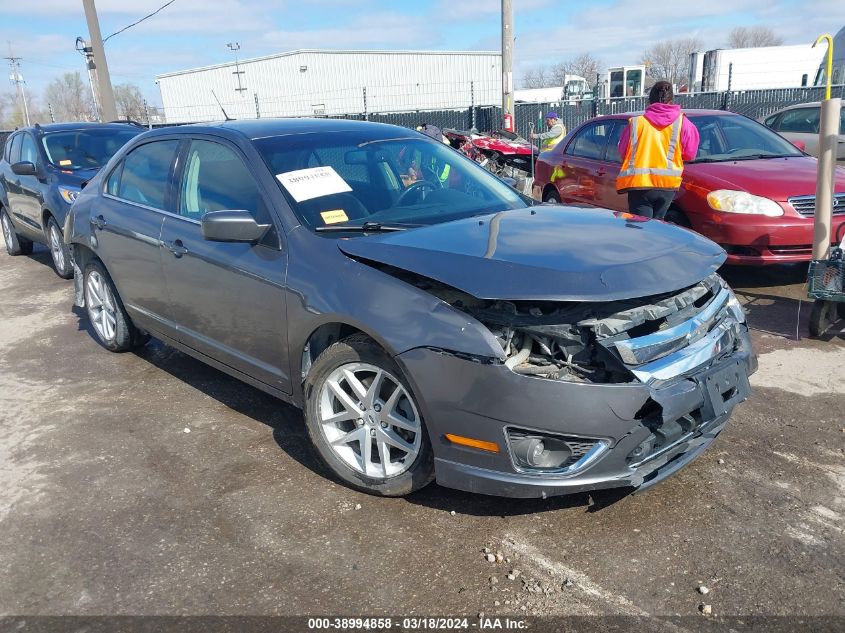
(584, 342)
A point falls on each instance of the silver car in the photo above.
(800, 125)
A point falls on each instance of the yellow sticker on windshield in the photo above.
(335, 216)
(65, 161)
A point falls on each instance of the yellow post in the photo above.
(829, 65)
(828, 137)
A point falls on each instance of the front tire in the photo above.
(678, 217)
(823, 316)
(363, 420)
(15, 245)
(59, 250)
(111, 323)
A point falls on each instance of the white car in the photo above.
(801, 123)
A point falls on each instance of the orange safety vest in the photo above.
(654, 158)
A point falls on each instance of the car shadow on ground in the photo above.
(288, 429)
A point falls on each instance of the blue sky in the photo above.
(193, 33)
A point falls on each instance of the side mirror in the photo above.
(232, 226)
(800, 145)
(24, 168)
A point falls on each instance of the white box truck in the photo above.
(760, 68)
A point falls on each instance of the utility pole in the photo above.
(108, 108)
(16, 78)
(235, 47)
(507, 64)
(88, 53)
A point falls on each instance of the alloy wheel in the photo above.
(7, 231)
(101, 306)
(56, 248)
(370, 420)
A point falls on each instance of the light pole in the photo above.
(235, 47)
(507, 65)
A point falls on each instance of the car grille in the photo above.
(806, 205)
(675, 335)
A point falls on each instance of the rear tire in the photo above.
(112, 325)
(363, 420)
(551, 196)
(15, 244)
(59, 250)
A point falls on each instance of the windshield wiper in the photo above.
(366, 227)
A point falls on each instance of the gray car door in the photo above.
(227, 298)
(126, 222)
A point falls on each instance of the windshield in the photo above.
(348, 178)
(85, 149)
(725, 138)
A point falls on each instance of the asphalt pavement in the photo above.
(150, 484)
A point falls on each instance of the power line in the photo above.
(164, 6)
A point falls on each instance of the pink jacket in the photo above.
(661, 115)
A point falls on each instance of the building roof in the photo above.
(324, 51)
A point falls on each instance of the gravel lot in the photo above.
(149, 483)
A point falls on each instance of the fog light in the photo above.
(536, 452)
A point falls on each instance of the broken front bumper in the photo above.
(487, 401)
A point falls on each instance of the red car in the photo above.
(748, 189)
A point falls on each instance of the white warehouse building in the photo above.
(328, 82)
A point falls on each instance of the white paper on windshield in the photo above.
(306, 184)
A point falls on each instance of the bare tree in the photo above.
(753, 37)
(537, 77)
(70, 98)
(584, 65)
(130, 102)
(12, 113)
(669, 60)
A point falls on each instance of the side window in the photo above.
(771, 122)
(216, 179)
(15, 148)
(113, 183)
(842, 121)
(804, 120)
(29, 150)
(591, 141)
(612, 153)
(146, 173)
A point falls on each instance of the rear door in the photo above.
(587, 168)
(228, 298)
(126, 222)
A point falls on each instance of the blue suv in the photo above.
(43, 169)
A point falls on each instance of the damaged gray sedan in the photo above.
(431, 322)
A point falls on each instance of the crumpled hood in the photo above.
(549, 253)
(661, 115)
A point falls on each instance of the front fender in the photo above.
(326, 286)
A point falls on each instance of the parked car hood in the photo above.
(775, 178)
(76, 177)
(549, 253)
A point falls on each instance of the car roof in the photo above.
(255, 129)
(81, 125)
(688, 112)
(794, 106)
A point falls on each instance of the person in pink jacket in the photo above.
(661, 113)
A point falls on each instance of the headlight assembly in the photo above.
(69, 194)
(728, 201)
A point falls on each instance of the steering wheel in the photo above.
(417, 186)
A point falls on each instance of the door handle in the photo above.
(99, 222)
(176, 247)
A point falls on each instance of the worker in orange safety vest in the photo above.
(654, 147)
